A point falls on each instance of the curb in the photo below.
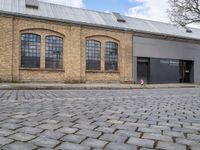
(89, 87)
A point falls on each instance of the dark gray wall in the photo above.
(164, 71)
(156, 48)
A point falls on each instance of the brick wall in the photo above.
(74, 53)
(6, 36)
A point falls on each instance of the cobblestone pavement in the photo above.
(100, 119)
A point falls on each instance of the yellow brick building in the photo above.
(74, 36)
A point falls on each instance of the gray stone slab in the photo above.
(113, 138)
(30, 130)
(45, 142)
(170, 146)
(89, 133)
(22, 137)
(158, 137)
(4, 141)
(72, 146)
(19, 146)
(67, 130)
(141, 142)
(120, 146)
(73, 138)
(95, 143)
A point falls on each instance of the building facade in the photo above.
(37, 50)
(47, 42)
(166, 61)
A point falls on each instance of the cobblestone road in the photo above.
(100, 119)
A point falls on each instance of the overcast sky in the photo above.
(147, 9)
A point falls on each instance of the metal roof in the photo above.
(82, 16)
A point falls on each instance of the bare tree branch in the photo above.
(184, 12)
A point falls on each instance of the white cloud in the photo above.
(73, 3)
(150, 9)
(153, 10)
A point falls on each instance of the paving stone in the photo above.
(45, 142)
(19, 146)
(120, 146)
(72, 146)
(124, 127)
(52, 134)
(96, 113)
(49, 126)
(30, 130)
(115, 121)
(105, 129)
(11, 126)
(187, 142)
(158, 137)
(136, 124)
(6, 132)
(193, 137)
(49, 121)
(185, 130)
(4, 141)
(141, 142)
(128, 133)
(170, 146)
(194, 148)
(173, 134)
(22, 137)
(73, 138)
(113, 138)
(89, 133)
(150, 130)
(67, 130)
(166, 128)
(95, 143)
(84, 126)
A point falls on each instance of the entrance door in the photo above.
(143, 70)
(186, 71)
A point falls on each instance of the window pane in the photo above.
(93, 55)
(30, 50)
(54, 52)
(111, 56)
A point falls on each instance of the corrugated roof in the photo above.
(88, 17)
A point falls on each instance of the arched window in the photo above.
(93, 55)
(54, 52)
(30, 50)
(111, 56)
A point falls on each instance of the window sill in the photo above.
(96, 71)
(40, 69)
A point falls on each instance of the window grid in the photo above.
(93, 56)
(30, 50)
(54, 52)
(111, 56)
